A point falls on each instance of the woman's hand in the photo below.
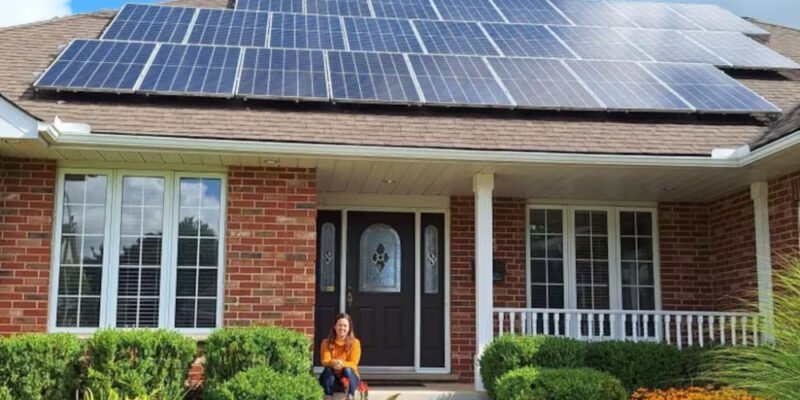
(338, 364)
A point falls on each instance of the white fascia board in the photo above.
(16, 123)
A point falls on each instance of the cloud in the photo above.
(16, 12)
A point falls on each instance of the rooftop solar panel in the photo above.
(527, 41)
(371, 77)
(531, 12)
(229, 27)
(543, 84)
(670, 45)
(626, 86)
(95, 65)
(338, 7)
(140, 22)
(468, 10)
(740, 51)
(306, 32)
(447, 37)
(653, 15)
(592, 13)
(598, 43)
(413, 9)
(457, 80)
(709, 89)
(715, 18)
(287, 6)
(193, 69)
(377, 34)
(283, 73)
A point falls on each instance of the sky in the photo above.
(783, 12)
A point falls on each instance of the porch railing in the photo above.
(680, 328)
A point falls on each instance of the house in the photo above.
(435, 227)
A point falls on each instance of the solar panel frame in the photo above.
(708, 89)
(258, 70)
(598, 43)
(627, 86)
(379, 77)
(223, 27)
(468, 10)
(522, 40)
(653, 15)
(455, 37)
(714, 18)
(740, 51)
(284, 6)
(471, 76)
(381, 35)
(531, 12)
(670, 46)
(148, 23)
(84, 59)
(405, 9)
(544, 84)
(183, 61)
(357, 8)
(329, 32)
(592, 13)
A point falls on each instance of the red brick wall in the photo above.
(509, 246)
(27, 195)
(733, 251)
(784, 194)
(271, 242)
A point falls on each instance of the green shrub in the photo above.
(5, 394)
(40, 367)
(262, 383)
(509, 352)
(639, 365)
(558, 384)
(139, 362)
(233, 350)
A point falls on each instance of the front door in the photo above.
(380, 285)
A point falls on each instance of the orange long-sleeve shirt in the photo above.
(350, 360)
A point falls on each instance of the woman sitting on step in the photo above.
(340, 354)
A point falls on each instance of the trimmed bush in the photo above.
(639, 365)
(262, 383)
(5, 394)
(40, 367)
(558, 384)
(509, 352)
(139, 362)
(233, 350)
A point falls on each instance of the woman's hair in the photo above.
(348, 339)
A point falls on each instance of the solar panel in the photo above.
(741, 51)
(193, 69)
(653, 15)
(95, 65)
(543, 84)
(527, 41)
(229, 27)
(371, 77)
(669, 45)
(338, 7)
(446, 37)
(709, 89)
(715, 18)
(139, 22)
(598, 43)
(592, 13)
(283, 73)
(468, 10)
(531, 12)
(374, 34)
(457, 80)
(626, 86)
(287, 6)
(412, 9)
(306, 32)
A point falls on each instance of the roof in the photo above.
(27, 49)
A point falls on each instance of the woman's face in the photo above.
(342, 327)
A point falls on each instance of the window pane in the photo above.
(637, 266)
(90, 312)
(627, 223)
(555, 223)
(209, 252)
(538, 246)
(644, 249)
(538, 223)
(539, 296)
(539, 271)
(92, 281)
(380, 266)
(187, 282)
(184, 313)
(547, 257)
(69, 280)
(431, 252)
(591, 259)
(628, 271)
(206, 313)
(646, 274)
(67, 312)
(207, 283)
(555, 271)
(327, 262)
(187, 252)
(556, 296)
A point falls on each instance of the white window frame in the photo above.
(109, 289)
(614, 250)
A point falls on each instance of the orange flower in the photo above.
(692, 393)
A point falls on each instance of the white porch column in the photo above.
(759, 193)
(483, 186)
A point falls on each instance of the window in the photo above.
(138, 250)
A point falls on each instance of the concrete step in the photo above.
(433, 391)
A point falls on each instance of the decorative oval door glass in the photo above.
(431, 260)
(379, 269)
(328, 258)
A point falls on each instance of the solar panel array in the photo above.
(538, 54)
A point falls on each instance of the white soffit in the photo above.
(15, 123)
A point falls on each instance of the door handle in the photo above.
(349, 297)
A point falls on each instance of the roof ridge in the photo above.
(106, 13)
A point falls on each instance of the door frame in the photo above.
(417, 211)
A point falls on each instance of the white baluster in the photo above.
(721, 320)
(635, 329)
(700, 329)
(523, 323)
(579, 323)
(678, 338)
(711, 329)
(624, 334)
(557, 322)
(535, 323)
(567, 324)
(668, 328)
(755, 331)
(743, 320)
(733, 330)
(612, 322)
(659, 329)
(689, 323)
(546, 317)
(511, 323)
(602, 325)
(591, 326)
